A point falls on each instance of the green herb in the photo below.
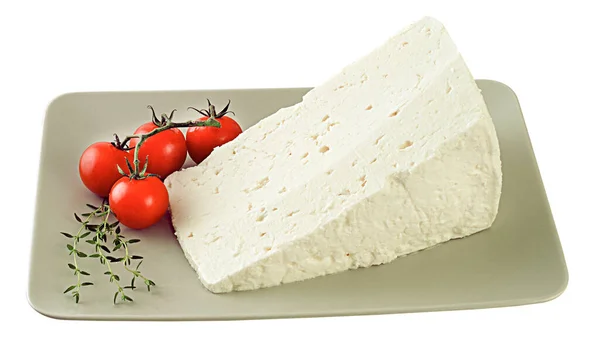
(101, 230)
(76, 253)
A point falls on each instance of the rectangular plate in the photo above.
(517, 261)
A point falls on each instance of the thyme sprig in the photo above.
(75, 252)
(102, 252)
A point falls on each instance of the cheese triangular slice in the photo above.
(395, 154)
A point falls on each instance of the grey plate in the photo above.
(517, 261)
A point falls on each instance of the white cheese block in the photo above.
(395, 154)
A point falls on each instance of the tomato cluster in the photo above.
(139, 199)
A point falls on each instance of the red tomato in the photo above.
(166, 151)
(202, 140)
(98, 167)
(139, 203)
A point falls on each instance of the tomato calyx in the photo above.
(122, 145)
(164, 120)
(211, 112)
(136, 175)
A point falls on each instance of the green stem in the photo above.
(75, 242)
(168, 125)
(135, 273)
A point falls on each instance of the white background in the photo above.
(547, 53)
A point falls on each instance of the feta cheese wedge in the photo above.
(395, 154)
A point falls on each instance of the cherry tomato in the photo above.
(98, 167)
(139, 203)
(202, 140)
(166, 151)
